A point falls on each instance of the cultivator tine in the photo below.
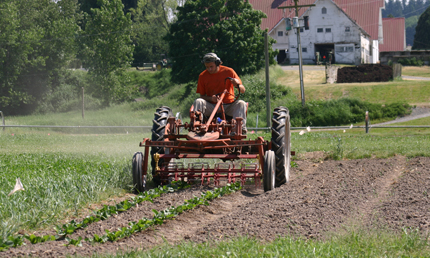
(198, 165)
(251, 167)
(174, 166)
(223, 165)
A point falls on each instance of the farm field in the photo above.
(423, 71)
(325, 198)
(350, 193)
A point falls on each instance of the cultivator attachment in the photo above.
(210, 174)
(178, 162)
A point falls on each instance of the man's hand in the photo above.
(214, 99)
(211, 99)
(235, 82)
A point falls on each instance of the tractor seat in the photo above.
(219, 114)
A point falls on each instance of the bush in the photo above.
(341, 112)
(149, 84)
(411, 61)
(396, 109)
(255, 93)
(67, 96)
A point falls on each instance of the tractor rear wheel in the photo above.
(139, 176)
(269, 171)
(158, 130)
(281, 144)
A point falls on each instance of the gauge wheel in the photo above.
(139, 176)
(269, 171)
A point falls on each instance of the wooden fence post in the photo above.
(397, 70)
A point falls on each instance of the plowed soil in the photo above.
(322, 197)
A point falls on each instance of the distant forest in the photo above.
(410, 9)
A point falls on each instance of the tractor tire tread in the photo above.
(279, 138)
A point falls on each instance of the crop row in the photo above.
(102, 214)
(160, 216)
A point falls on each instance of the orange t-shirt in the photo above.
(212, 84)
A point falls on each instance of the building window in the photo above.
(344, 49)
(320, 30)
(305, 49)
(327, 30)
(280, 33)
(324, 10)
(301, 30)
(347, 29)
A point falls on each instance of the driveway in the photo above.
(305, 67)
(405, 77)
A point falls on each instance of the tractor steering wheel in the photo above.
(236, 97)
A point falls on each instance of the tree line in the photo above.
(41, 40)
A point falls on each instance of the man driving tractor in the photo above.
(212, 81)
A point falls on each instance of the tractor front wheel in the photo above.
(281, 144)
(139, 176)
(269, 171)
(158, 130)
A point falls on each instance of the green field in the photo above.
(414, 92)
(61, 175)
(423, 71)
(66, 172)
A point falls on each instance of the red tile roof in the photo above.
(394, 28)
(364, 12)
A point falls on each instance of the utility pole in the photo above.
(299, 45)
(266, 55)
(83, 104)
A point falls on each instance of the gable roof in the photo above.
(365, 13)
(394, 28)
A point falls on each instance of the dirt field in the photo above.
(322, 197)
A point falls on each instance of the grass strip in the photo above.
(354, 243)
(102, 214)
(159, 216)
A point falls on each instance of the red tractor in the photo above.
(213, 138)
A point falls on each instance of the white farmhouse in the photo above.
(332, 33)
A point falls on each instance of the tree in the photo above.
(37, 42)
(410, 25)
(388, 8)
(106, 47)
(422, 37)
(411, 8)
(397, 10)
(229, 28)
(150, 26)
